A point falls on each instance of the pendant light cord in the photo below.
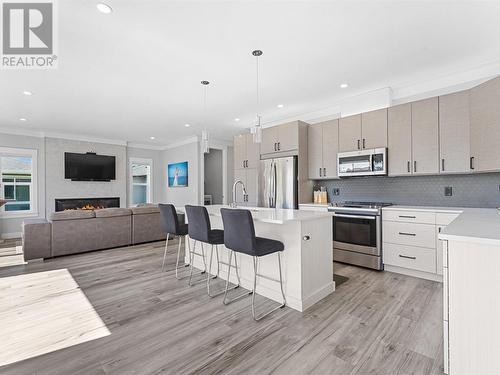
(258, 99)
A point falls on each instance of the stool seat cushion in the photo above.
(265, 246)
(216, 237)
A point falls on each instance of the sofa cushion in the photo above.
(72, 215)
(36, 239)
(113, 212)
(145, 210)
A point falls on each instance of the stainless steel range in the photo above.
(357, 233)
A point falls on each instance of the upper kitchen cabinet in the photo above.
(246, 152)
(425, 136)
(454, 132)
(399, 140)
(367, 130)
(350, 133)
(485, 126)
(374, 129)
(281, 138)
(323, 149)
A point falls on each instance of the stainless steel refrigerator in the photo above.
(278, 183)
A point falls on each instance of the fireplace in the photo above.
(86, 203)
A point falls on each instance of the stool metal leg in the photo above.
(165, 253)
(217, 275)
(225, 301)
(255, 266)
(192, 253)
(186, 242)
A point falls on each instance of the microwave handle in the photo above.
(372, 169)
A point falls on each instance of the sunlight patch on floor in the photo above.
(43, 312)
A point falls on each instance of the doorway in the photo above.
(213, 181)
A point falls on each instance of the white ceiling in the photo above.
(136, 73)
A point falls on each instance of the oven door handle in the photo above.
(356, 216)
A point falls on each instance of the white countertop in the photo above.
(479, 225)
(315, 204)
(273, 215)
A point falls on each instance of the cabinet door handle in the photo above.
(415, 166)
(472, 162)
(407, 217)
(324, 172)
(407, 257)
(320, 172)
(359, 147)
(279, 146)
(407, 234)
(364, 143)
(442, 165)
(409, 166)
(275, 148)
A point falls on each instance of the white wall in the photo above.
(157, 173)
(11, 226)
(181, 196)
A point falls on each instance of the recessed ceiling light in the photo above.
(151, 138)
(236, 119)
(23, 119)
(187, 125)
(104, 8)
(27, 93)
(344, 86)
(280, 106)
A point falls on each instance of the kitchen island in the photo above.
(471, 281)
(307, 258)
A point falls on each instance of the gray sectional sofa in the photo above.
(72, 232)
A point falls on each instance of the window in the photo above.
(140, 177)
(18, 181)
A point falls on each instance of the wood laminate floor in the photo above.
(375, 323)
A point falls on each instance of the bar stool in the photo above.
(171, 226)
(201, 230)
(239, 236)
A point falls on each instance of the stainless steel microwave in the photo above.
(370, 162)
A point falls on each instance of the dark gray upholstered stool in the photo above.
(239, 236)
(171, 226)
(201, 231)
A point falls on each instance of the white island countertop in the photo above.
(480, 225)
(273, 215)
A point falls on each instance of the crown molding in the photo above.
(145, 146)
(83, 138)
(183, 142)
(23, 132)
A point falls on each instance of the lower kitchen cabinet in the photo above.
(410, 240)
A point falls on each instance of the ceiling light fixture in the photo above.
(152, 138)
(104, 8)
(27, 93)
(344, 86)
(280, 105)
(187, 125)
(236, 119)
(257, 129)
(205, 142)
(23, 119)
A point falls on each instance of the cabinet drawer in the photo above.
(445, 218)
(422, 235)
(415, 258)
(421, 217)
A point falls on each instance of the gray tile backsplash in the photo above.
(474, 190)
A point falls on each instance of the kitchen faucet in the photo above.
(233, 203)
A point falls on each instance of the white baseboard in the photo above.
(414, 273)
(9, 236)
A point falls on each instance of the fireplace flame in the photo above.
(87, 207)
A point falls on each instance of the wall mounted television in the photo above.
(89, 167)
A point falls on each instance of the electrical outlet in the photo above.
(448, 191)
(336, 191)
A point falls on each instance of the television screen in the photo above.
(89, 167)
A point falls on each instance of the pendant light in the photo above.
(257, 129)
(204, 134)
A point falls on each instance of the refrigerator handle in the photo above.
(274, 186)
